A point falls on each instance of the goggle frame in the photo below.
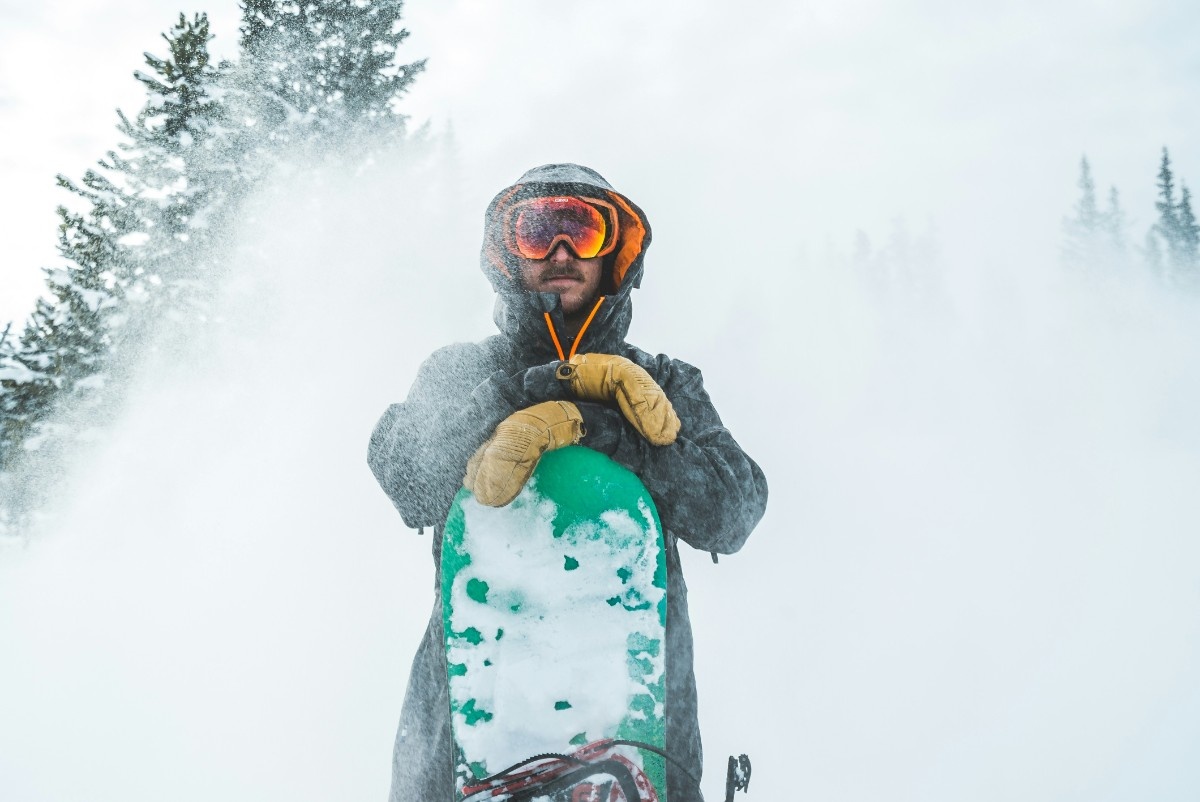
(607, 211)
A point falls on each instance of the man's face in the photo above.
(575, 280)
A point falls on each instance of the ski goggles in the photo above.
(534, 227)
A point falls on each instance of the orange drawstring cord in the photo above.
(583, 328)
(578, 337)
(554, 336)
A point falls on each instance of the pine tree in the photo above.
(1176, 228)
(68, 341)
(1167, 227)
(65, 350)
(1114, 224)
(1189, 238)
(324, 72)
(128, 256)
(140, 217)
(1082, 247)
(152, 237)
(1087, 212)
(181, 162)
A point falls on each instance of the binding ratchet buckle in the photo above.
(737, 777)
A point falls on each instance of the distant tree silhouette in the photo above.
(1084, 245)
(1114, 224)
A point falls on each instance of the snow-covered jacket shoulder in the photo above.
(419, 448)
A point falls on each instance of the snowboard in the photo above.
(554, 609)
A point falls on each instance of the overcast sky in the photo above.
(978, 578)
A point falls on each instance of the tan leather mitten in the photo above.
(609, 379)
(502, 465)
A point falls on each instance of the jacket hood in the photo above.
(519, 313)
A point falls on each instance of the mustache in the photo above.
(562, 272)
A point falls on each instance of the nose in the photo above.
(561, 253)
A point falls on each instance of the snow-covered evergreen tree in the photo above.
(320, 73)
(66, 351)
(151, 237)
(181, 163)
(130, 257)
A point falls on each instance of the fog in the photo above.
(978, 577)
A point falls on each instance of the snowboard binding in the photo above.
(592, 773)
(737, 776)
(596, 772)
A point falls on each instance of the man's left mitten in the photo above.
(503, 464)
(615, 379)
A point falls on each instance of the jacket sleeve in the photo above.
(419, 448)
(709, 493)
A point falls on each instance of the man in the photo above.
(563, 251)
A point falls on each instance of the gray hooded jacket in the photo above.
(709, 493)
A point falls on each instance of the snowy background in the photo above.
(979, 575)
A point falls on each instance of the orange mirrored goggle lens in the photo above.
(542, 223)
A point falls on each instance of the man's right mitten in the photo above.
(502, 465)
